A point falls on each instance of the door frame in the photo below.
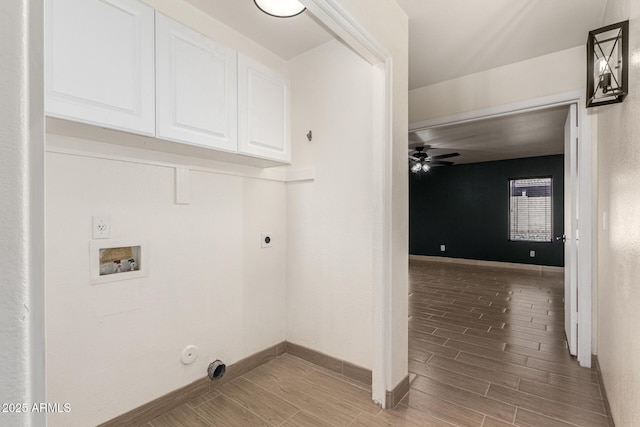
(586, 198)
(571, 186)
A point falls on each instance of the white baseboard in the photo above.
(512, 265)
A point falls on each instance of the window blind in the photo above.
(530, 209)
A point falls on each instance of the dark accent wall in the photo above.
(466, 208)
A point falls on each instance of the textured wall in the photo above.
(466, 208)
(21, 209)
(551, 74)
(619, 233)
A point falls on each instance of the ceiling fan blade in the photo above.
(445, 156)
(440, 163)
(415, 159)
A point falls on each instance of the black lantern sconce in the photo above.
(608, 64)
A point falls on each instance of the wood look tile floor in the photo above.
(486, 348)
(287, 391)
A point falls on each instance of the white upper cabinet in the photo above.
(263, 112)
(100, 63)
(196, 87)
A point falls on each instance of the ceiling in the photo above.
(452, 38)
(286, 37)
(449, 39)
(527, 134)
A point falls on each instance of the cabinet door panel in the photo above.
(196, 87)
(100, 63)
(263, 122)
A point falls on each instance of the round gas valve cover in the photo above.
(189, 354)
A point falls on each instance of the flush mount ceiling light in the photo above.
(280, 8)
(608, 64)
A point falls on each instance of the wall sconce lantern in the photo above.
(608, 64)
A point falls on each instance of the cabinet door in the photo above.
(263, 112)
(100, 63)
(196, 87)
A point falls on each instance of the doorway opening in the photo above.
(488, 135)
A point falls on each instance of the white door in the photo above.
(196, 87)
(100, 63)
(571, 229)
(263, 111)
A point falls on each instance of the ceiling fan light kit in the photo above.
(420, 161)
(608, 64)
(280, 8)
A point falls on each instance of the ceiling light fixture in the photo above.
(608, 64)
(420, 161)
(280, 8)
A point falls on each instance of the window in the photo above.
(530, 209)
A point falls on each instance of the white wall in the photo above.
(115, 346)
(619, 235)
(389, 25)
(21, 210)
(330, 219)
(551, 74)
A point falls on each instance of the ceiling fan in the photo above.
(420, 160)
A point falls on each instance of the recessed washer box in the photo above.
(115, 260)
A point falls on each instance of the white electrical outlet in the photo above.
(532, 254)
(267, 240)
(101, 227)
(442, 248)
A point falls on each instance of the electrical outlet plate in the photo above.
(532, 254)
(442, 248)
(266, 240)
(101, 227)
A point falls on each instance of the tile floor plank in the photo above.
(261, 402)
(549, 408)
(305, 419)
(593, 404)
(444, 410)
(484, 352)
(494, 376)
(222, 411)
(449, 377)
(359, 398)
(403, 416)
(526, 418)
(518, 370)
(182, 416)
(481, 342)
(467, 399)
(575, 385)
(321, 405)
